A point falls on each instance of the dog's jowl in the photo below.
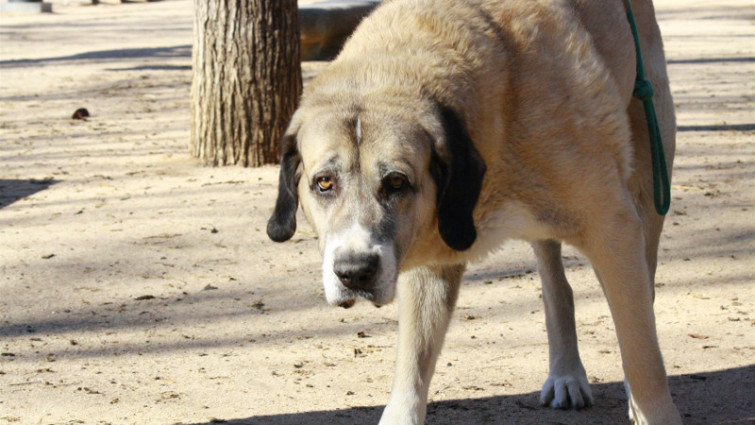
(446, 127)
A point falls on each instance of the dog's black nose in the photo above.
(357, 271)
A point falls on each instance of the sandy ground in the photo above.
(139, 288)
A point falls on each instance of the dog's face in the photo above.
(371, 179)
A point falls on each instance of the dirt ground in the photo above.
(137, 287)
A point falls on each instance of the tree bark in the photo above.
(246, 79)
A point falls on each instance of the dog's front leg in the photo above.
(427, 296)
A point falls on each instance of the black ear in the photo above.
(282, 224)
(459, 170)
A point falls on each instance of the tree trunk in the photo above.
(247, 79)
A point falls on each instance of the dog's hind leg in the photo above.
(641, 182)
(640, 185)
(566, 386)
(427, 296)
(615, 244)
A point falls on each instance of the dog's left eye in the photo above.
(395, 182)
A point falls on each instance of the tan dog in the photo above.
(446, 127)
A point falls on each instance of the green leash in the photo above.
(643, 91)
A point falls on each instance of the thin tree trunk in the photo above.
(246, 79)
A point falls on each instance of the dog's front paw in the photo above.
(567, 391)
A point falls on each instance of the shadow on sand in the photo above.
(170, 52)
(710, 398)
(13, 190)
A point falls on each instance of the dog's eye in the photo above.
(395, 182)
(325, 184)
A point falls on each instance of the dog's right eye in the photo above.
(325, 184)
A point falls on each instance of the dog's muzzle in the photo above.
(354, 265)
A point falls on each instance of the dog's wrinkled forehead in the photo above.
(360, 140)
(324, 137)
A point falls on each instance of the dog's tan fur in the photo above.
(542, 93)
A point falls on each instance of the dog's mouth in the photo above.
(350, 297)
(348, 303)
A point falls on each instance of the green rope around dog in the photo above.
(643, 91)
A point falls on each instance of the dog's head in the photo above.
(372, 177)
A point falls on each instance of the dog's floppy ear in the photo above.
(458, 170)
(282, 224)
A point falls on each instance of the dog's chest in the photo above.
(512, 221)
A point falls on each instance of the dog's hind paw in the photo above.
(570, 391)
(403, 411)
